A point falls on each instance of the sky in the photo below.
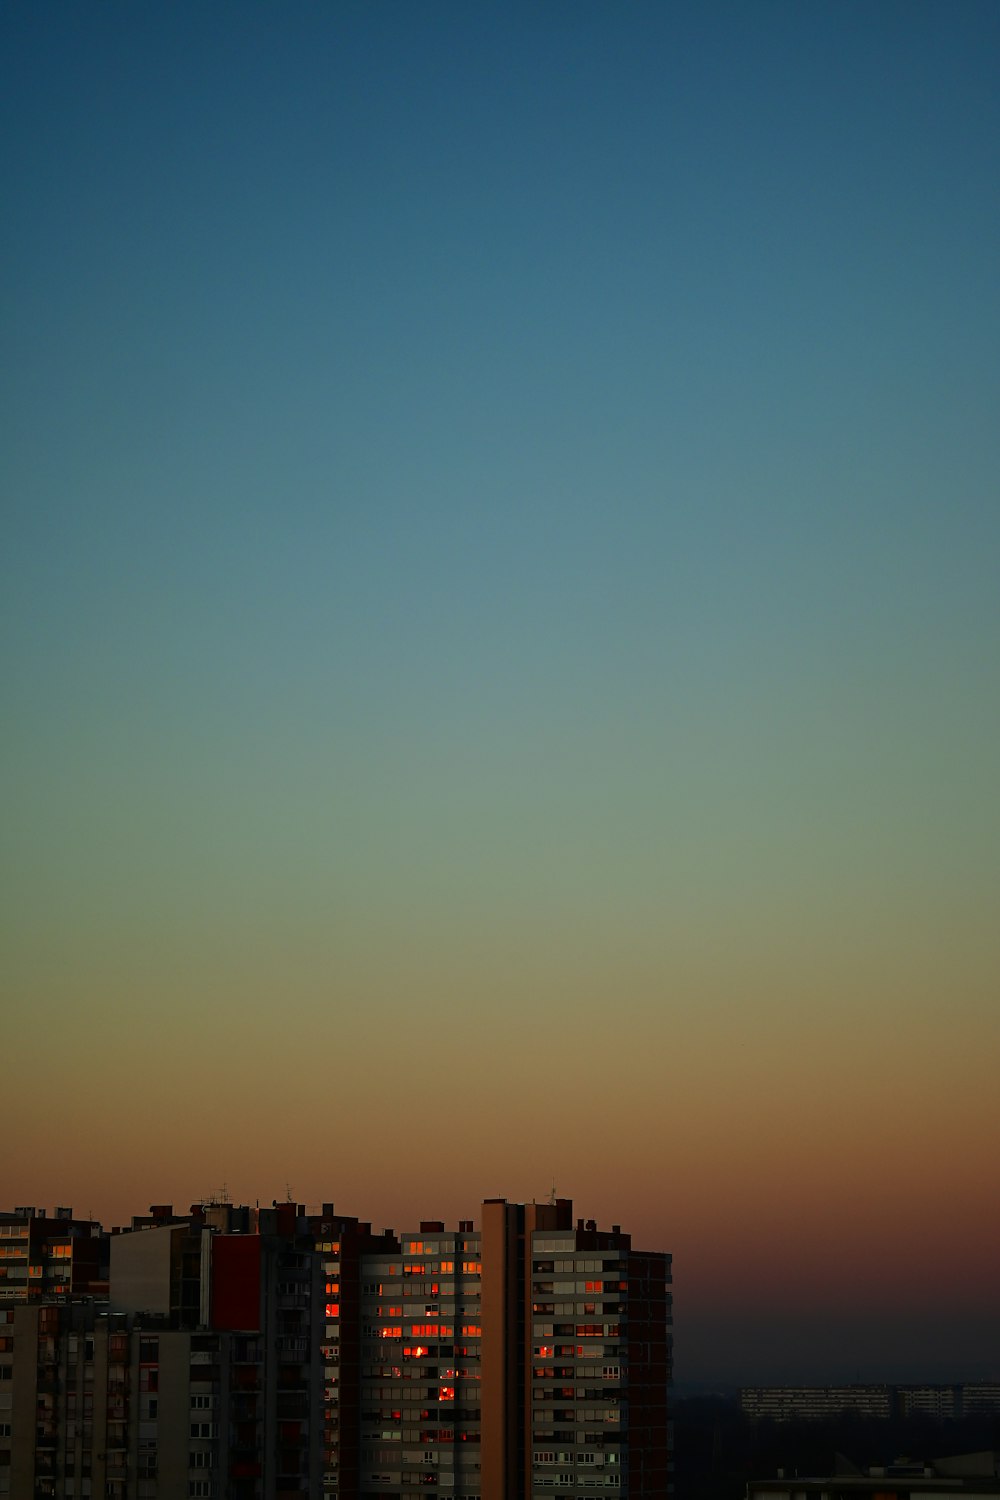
(500, 636)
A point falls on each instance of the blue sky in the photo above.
(501, 511)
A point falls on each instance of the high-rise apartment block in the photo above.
(269, 1353)
(48, 1258)
(812, 1403)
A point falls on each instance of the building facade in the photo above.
(814, 1403)
(254, 1354)
(527, 1357)
(47, 1258)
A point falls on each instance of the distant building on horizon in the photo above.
(791, 1403)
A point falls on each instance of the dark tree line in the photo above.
(717, 1450)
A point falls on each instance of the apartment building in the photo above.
(272, 1353)
(786, 1403)
(528, 1357)
(44, 1258)
(979, 1396)
(810, 1403)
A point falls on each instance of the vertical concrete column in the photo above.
(501, 1414)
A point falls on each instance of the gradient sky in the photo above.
(500, 613)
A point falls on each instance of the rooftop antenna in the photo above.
(552, 1196)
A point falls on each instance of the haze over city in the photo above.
(500, 637)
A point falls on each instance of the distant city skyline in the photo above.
(499, 636)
